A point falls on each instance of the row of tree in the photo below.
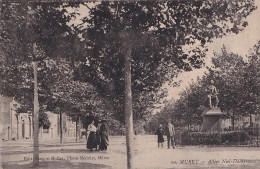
(237, 79)
(119, 57)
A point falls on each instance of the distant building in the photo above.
(53, 130)
(14, 126)
(68, 127)
(18, 126)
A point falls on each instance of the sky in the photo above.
(237, 43)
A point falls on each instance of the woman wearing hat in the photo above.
(98, 135)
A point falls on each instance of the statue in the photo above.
(213, 95)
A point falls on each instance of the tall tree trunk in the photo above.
(189, 122)
(250, 119)
(17, 116)
(233, 120)
(79, 128)
(61, 141)
(128, 110)
(76, 127)
(11, 124)
(35, 118)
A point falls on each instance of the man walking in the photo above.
(170, 132)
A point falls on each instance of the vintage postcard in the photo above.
(129, 84)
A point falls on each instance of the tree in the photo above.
(229, 70)
(162, 117)
(252, 79)
(44, 120)
(137, 46)
(148, 37)
(235, 78)
(187, 110)
(69, 96)
(43, 24)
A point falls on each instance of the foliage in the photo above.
(155, 33)
(161, 117)
(203, 138)
(229, 71)
(44, 120)
(30, 22)
(252, 81)
(187, 109)
(58, 45)
(47, 25)
(237, 82)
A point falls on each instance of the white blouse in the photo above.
(92, 127)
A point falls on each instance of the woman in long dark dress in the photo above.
(160, 133)
(91, 142)
(98, 135)
(104, 136)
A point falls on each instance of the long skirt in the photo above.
(104, 141)
(91, 143)
(160, 138)
(98, 139)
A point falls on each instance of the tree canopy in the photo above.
(23, 24)
(57, 46)
(157, 34)
(236, 79)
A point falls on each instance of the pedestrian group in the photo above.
(97, 136)
(169, 132)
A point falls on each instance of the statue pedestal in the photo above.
(212, 120)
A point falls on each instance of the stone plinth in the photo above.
(212, 120)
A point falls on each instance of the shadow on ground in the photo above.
(60, 151)
(57, 165)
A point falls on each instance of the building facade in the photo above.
(19, 126)
(68, 127)
(14, 126)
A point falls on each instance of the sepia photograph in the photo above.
(130, 84)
